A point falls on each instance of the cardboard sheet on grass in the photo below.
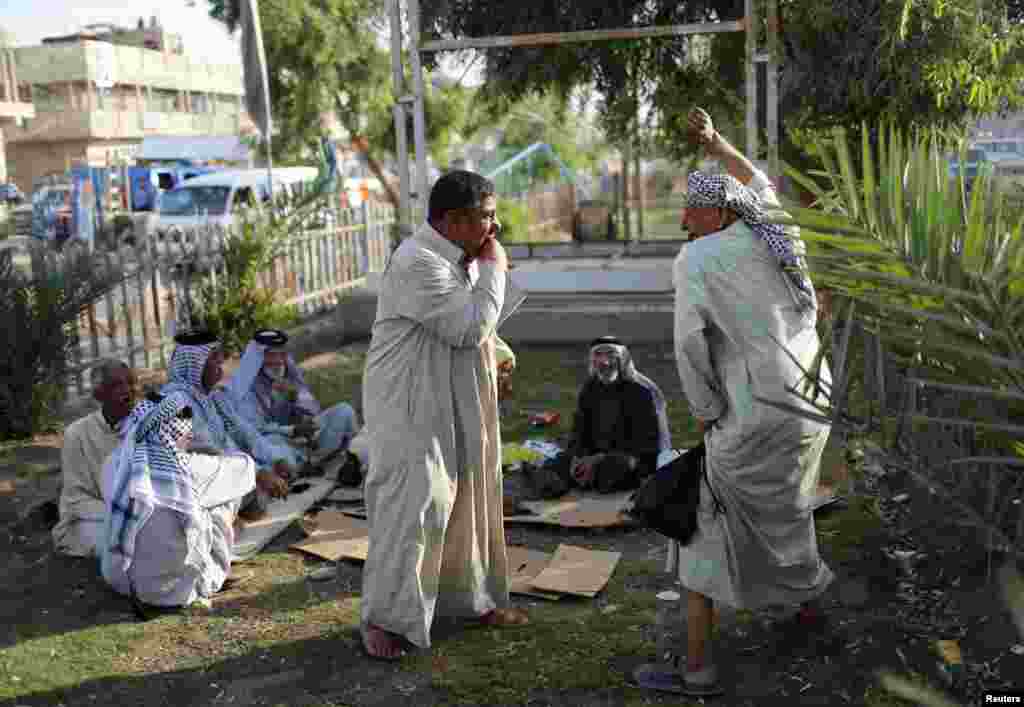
(577, 509)
(569, 571)
(280, 514)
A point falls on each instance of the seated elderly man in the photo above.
(88, 443)
(270, 392)
(196, 368)
(171, 512)
(621, 424)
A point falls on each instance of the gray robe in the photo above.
(434, 489)
(763, 464)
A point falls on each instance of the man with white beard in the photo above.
(270, 392)
(620, 424)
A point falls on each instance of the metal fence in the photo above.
(136, 321)
(949, 438)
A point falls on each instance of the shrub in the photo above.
(234, 305)
(43, 307)
(515, 219)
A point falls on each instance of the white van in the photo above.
(215, 199)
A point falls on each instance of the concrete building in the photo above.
(154, 93)
(12, 108)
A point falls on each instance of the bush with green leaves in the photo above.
(232, 304)
(40, 309)
(515, 219)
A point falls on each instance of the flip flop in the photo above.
(509, 616)
(663, 677)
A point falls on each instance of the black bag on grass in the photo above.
(551, 478)
(668, 501)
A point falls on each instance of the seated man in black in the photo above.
(620, 424)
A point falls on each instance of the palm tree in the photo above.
(931, 264)
(932, 268)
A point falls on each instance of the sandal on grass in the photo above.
(664, 677)
(510, 616)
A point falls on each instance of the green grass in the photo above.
(546, 379)
(567, 646)
(64, 660)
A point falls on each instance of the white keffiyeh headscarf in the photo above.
(628, 372)
(722, 191)
(250, 377)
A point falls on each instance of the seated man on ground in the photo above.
(270, 392)
(218, 430)
(88, 443)
(170, 513)
(620, 425)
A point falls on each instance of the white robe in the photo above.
(88, 443)
(158, 573)
(434, 489)
(731, 299)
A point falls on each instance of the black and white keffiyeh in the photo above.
(722, 191)
(152, 471)
(185, 375)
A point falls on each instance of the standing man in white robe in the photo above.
(745, 308)
(434, 487)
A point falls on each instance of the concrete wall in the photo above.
(26, 162)
(572, 300)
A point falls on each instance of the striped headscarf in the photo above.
(153, 472)
(722, 191)
(185, 375)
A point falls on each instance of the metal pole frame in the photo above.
(399, 110)
(405, 102)
(751, 23)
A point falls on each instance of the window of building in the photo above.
(163, 101)
(49, 99)
(200, 103)
(227, 105)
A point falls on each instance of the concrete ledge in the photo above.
(556, 327)
(655, 249)
(610, 280)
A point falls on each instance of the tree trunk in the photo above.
(627, 157)
(639, 197)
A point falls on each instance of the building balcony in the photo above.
(119, 125)
(15, 109)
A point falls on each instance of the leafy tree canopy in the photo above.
(323, 55)
(918, 62)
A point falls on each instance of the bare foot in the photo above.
(505, 617)
(382, 644)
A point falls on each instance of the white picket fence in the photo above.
(137, 320)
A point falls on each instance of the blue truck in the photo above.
(148, 182)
